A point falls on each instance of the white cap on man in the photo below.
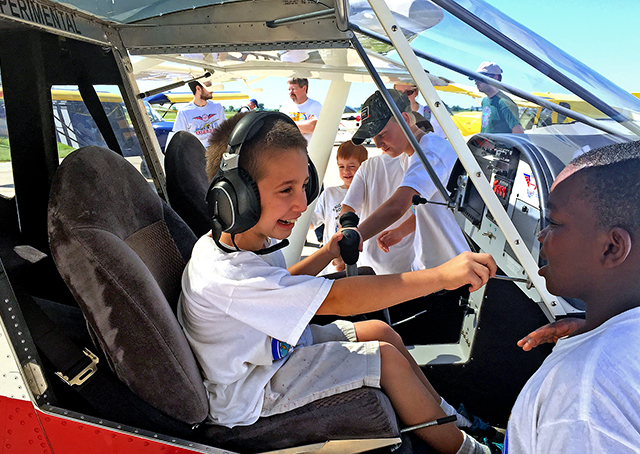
(489, 68)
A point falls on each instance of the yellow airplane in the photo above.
(531, 115)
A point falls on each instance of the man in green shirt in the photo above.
(499, 112)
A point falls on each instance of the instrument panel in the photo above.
(520, 175)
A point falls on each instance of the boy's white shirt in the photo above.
(327, 212)
(585, 397)
(375, 181)
(438, 236)
(231, 306)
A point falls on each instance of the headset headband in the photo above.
(246, 129)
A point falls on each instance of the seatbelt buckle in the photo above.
(85, 373)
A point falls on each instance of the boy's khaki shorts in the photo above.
(335, 363)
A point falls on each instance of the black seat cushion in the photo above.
(361, 413)
(187, 182)
(121, 250)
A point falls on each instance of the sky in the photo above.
(604, 35)
(601, 34)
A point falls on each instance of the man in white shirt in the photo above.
(201, 115)
(302, 109)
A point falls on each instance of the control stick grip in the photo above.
(350, 240)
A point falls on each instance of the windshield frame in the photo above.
(500, 85)
(537, 63)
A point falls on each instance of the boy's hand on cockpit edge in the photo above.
(550, 333)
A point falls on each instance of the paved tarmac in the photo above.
(6, 179)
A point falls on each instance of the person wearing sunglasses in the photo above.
(412, 93)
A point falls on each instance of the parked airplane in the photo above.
(93, 358)
(75, 128)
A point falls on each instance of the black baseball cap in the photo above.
(422, 122)
(375, 114)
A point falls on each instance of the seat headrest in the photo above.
(121, 251)
(187, 182)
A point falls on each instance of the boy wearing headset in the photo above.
(247, 316)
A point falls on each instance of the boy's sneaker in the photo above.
(494, 448)
(480, 429)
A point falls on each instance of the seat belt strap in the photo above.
(78, 367)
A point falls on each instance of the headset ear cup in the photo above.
(248, 197)
(233, 201)
(313, 186)
(221, 204)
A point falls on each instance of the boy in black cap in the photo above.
(438, 237)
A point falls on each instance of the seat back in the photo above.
(187, 182)
(122, 250)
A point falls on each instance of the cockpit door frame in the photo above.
(141, 122)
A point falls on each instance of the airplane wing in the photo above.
(251, 67)
(175, 98)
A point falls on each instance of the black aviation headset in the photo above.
(233, 199)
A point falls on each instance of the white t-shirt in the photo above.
(426, 113)
(438, 236)
(308, 110)
(199, 121)
(585, 397)
(327, 212)
(234, 307)
(375, 181)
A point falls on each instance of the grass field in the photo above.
(5, 153)
(64, 150)
(4, 150)
(169, 114)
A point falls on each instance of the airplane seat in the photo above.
(121, 250)
(187, 182)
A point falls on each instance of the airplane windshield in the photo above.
(440, 33)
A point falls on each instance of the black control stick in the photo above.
(350, 242)
(349, 249)
(417, 200)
